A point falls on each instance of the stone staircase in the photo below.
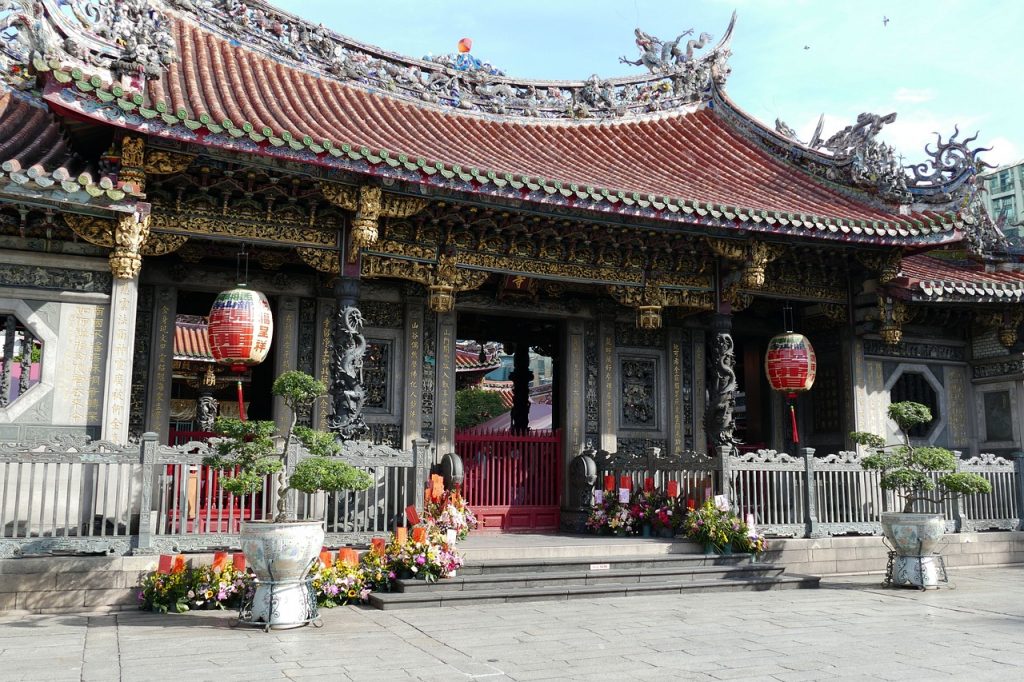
(505, 580)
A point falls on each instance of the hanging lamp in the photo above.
(240, 329)
(790, 365)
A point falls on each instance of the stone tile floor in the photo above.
(849, 629)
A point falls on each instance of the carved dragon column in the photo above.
(721, 424)
(348, 346)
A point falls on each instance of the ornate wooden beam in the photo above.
(370, 204)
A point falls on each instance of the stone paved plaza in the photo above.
(851, 628)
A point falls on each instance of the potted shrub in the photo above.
(281, 551)
(919, 476)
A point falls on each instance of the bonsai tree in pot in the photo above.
(282, 550)
(919, 476)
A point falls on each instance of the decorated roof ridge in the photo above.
(676, 77)
(855, 158)
(810, 208)
(123, 103)
(35, 155)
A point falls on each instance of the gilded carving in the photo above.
(322, 260)
(891, 316)
(886, 264)
(159, 162)
(836, 312)
(1009, 323)
(754, 254)
(370, 204)
(133, 153)
(270, 259)
(129, 237)
(423, 251)
(98, 231)
(539, 268)
(160, 244)
(650, 299)
(443, 281)
(197, 222)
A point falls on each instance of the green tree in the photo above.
(475, 406)
(907, 469)
(248, 446)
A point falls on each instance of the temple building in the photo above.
(643, 232)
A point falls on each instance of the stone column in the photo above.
(120, 349)
(575, 408)
(286, 341)
(165, 306)
(322, 363)
(348, 347)
(444, 383)
(677, 407)
(413, 381)
(130, 234)
(521, 377)
(606, 355)
(720, 418)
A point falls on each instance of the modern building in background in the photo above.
(1005, 199)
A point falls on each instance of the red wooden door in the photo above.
(512, 481)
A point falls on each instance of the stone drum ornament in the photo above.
(791, 366)
(240, 330)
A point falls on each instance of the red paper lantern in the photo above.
(241, 328)
(790, 364)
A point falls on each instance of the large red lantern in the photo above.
(791, 366)
(241, 328)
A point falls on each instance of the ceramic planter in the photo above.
(281, 554)
(915, 538)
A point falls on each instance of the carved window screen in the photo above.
(376, 374)
(21, 354)
(638, 377)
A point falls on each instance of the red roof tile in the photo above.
(685, 155)
(190, 339)
(934, 279)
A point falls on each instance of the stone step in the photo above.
(484, 546)
(445, 597)
(628, 576)
(604, 562)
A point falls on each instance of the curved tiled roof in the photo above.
(933, 279)
(686, 165)
(191, 339)
(35, 153)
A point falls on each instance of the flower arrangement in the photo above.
(218, 586)
(427, 560)
(447, 510)
(183, 588)
(165, 592)
(612, 517)
(709, 525)
(340, 583)
(751, 543)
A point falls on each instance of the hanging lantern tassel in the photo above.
(241, 402)
(792, 418)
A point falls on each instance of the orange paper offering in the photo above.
(419, 534)
(436, 486)
(648, 485)
(348, 556)
(179, 564)
(378, 545)
(673, 489)
(165, 564)
(219, 559)
(325, 558)
(625, 482)
(609, 482)
(239, 561)
(401, 535)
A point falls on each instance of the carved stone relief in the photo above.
(639, 405)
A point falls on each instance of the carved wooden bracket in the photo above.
(127, 236)
(886, 264)
(755, 256)
(159, 162)
(651, 299)
(442, 280)
(370, 204)
(1006, 322)
(133, 162)
(322, 260)
(892, 314)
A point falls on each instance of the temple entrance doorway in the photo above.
(509, 396)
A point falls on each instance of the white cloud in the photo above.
(1003, 152)
(914, 96)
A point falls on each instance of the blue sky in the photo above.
(936, 62)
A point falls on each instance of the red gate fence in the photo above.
(512, 481)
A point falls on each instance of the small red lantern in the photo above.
(240, 330)
(791, 366)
